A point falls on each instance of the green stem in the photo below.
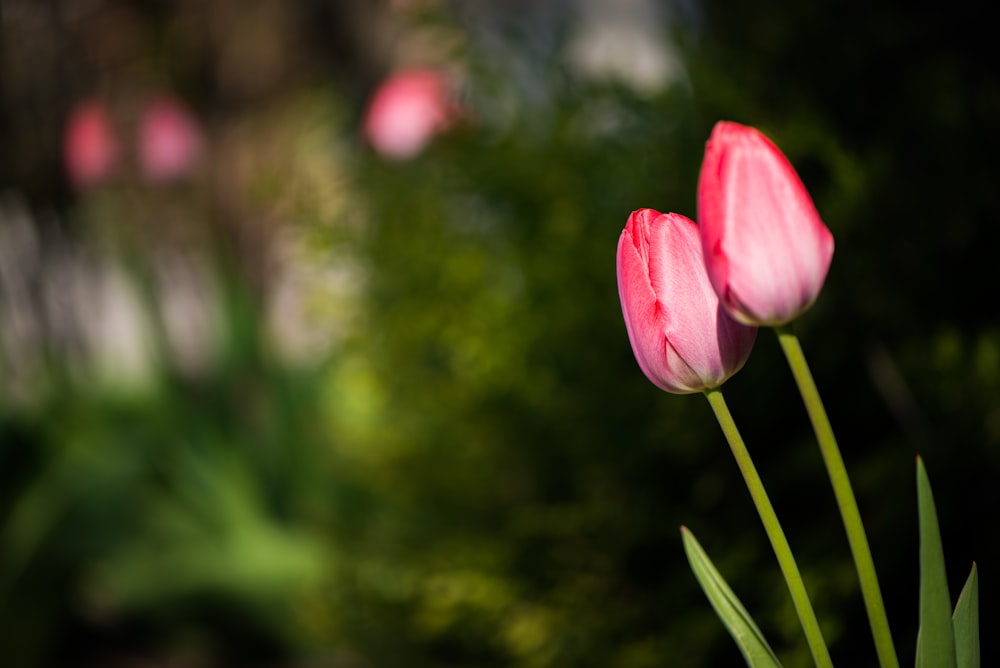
(796, 587)
(860, 550)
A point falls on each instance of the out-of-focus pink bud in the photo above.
(766, 249)
(681, 336)
(406, 111)
(169, 140)
(90, 147)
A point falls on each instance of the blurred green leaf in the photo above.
(737, 620)
(966, 623)
(936, 640)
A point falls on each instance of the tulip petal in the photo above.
(646, 324)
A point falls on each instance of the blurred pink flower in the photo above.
(90, 147)
(169, 140)
(406, 111)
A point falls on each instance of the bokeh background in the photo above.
(295, 402)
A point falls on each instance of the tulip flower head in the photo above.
(407, 110)
(169, 141)
(90, 147)
(681, 336)
(766, 249)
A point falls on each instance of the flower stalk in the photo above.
(782, 550)
(844, 494)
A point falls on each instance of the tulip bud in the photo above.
(682, 338)
(766, 249)
(406, 111)
(90, 148)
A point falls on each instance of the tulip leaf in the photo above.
(734, 616)
(936, 639)
(966, 623)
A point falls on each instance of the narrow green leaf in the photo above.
(966, 623)
(936, 640)
(734, 616)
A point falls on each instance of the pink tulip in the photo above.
(682, 338)
(169, 140)
(406, 111)
(766, 249)
(90, 148)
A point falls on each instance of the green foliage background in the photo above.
(479, 475)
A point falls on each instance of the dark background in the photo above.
(444, 453)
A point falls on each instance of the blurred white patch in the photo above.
(315, 301)
(625, 42)
(116, 327)
(20, 327)
(189, 306)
